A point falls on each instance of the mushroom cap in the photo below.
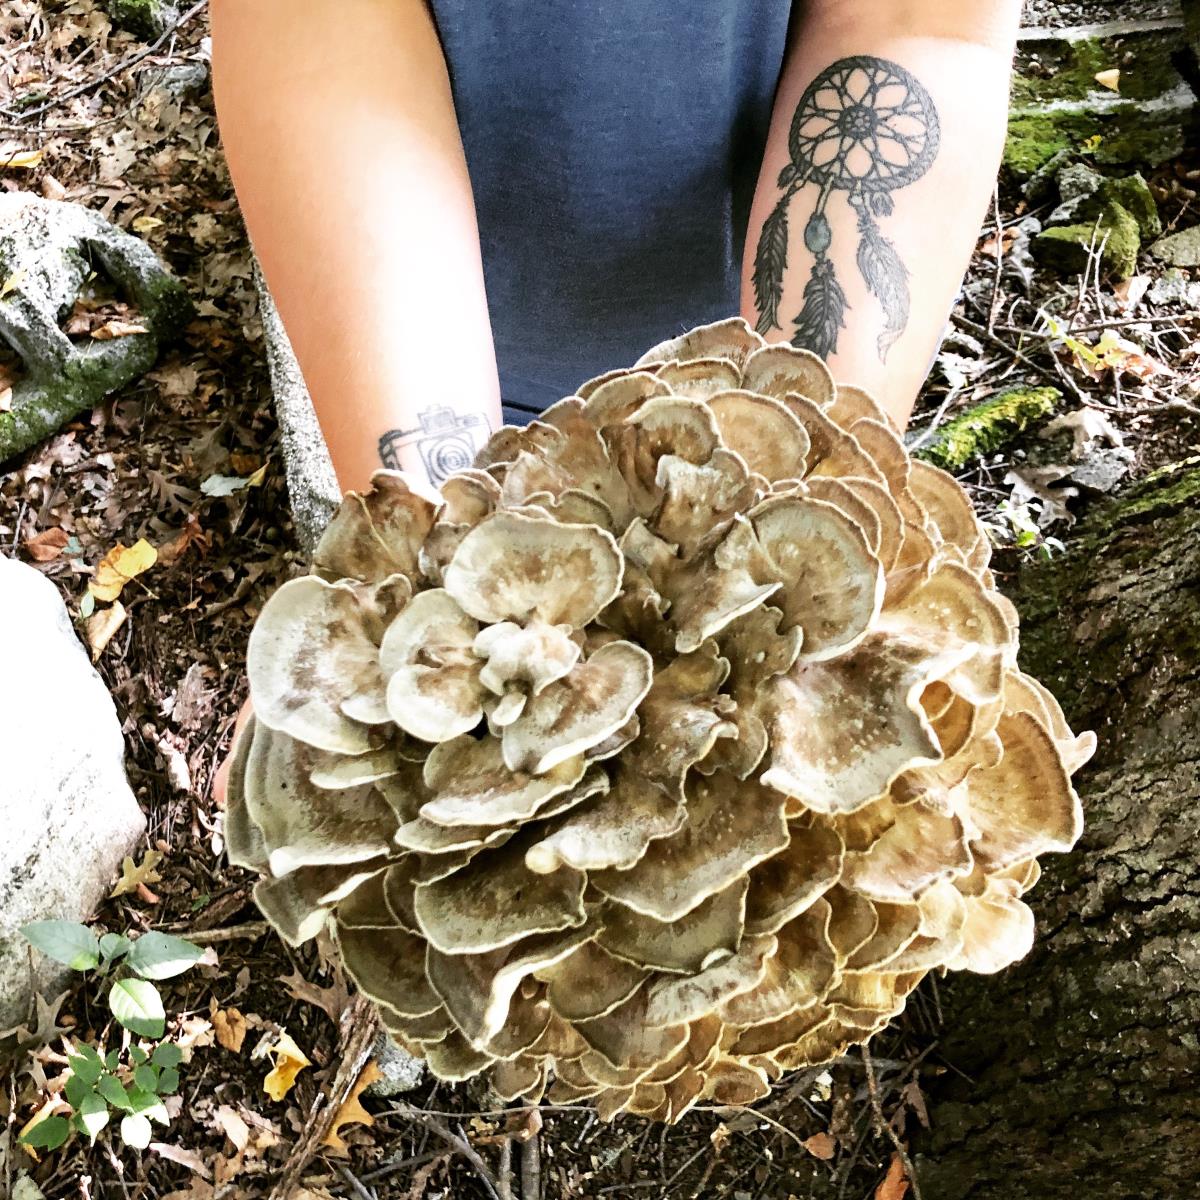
(665, 751)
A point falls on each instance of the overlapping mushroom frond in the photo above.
(666, 751)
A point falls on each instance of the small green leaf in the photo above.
(76, 1088)
(136, 1131)
(160, 956)
(137, 1055)
(111, 1059)
(113, 945)
(86, 1065)
(146, 1077)
(138, 1006)
(166, 1054)
(65, 942)
(91, 1115)
(87, 605)
(149, 1105)
(113, 1090)
(48, 1134)
(168, 1081)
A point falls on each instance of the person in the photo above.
(465, 210)
(463, 206)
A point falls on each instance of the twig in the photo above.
(249, 930)
(884, 1126)
(1025, 360)
(460, 1144)
(358, 1027)
(531, 1169)
(1181, 318)
(355, 1184)
(504, 1174)
(92, 84)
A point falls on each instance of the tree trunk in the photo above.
(1084, 1063)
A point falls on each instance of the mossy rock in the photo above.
(143, 18)
(1057, 105)
(989, 426)
(1066, 248)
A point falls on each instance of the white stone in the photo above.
(67, 812)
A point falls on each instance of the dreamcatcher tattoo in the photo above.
(865, 127)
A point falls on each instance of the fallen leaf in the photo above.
(912, 1095)
(230, 1122)
(351, 1111)
(133, 877)
(192, 532)
(12, 155)
(331, 1000)
(821, 1145)
(719, 1138)
(145, 224)
(1110, 79)
(1034, 483)
(1130, 291)
(894, 1185)
(101, 626)
(47, 545)
(117, 329)
(1122, 355)
(230, 1027)
(1086, 425)
(119, 566)
(226, 485)
(289, 1061)
(13, 282)
(185, 1158)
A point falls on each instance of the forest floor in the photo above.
(188, 458)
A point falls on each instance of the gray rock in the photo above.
(401, 1072)
(143, 18)
(1103, 470)
(47, 249)
(1173, 287)
(1180, 249)
(312, 484)
(67, 810)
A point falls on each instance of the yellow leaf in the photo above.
(1110, 79)
(351, 1112)
(13, 282)
(119, 566)
(102, 625)
(132, 876)
(256, 479)
(14, 156)
(289, 1061)
(145, 224)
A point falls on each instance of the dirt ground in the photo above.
(127, 128)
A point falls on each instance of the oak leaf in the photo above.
(351, 1111)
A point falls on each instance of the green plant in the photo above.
(1015, 524)
(99, 1085)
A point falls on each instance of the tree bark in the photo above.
(1083, 1061)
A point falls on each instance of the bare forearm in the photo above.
(339, 127)
(882, 154)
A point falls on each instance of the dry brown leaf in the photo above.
(117, 329)
(192, 533)
(894, 1185)
(133, 877)
(289, 1061)
(185, 1158)
(231, 1124)
(912, 1095)
(821, 1145)
(230, 1027)
(351, 1111)
(47, 545)
(331, 1000)
(119, 566)
(101, 626)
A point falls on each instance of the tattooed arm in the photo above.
(882, 155)
(338, 123)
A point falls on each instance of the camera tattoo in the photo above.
(447, 441)
(864, 126)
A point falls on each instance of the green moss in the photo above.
(1127, 136)
(1066, 70)
(142, 18)
(989, 426)
(1133, 194)
(1066, 248)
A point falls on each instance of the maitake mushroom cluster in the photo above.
(662, 753)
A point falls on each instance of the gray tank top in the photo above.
(613, 147)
